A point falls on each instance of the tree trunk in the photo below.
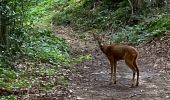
(2, 28)
(131, 5)
(135, 5)
(2, 31)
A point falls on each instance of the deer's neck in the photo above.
(103, 49)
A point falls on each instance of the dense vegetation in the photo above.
(28, 44)
(116, 18)
(27, 48)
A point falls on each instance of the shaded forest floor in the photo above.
(90, 79)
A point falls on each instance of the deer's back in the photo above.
(119, 52)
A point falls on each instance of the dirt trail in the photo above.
(90, 81)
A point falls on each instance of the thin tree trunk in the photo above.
(2, 30)
(131, 5)
(135, 5)
(2, 26)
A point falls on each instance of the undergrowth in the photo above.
(116, 18)
(144, 31)
(43, 55)
(82, 17)
(40, 54)
(44, 45)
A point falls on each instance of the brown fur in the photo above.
(116, 52)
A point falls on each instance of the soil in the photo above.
(90, 79)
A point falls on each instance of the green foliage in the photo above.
(9, 80)
(28, 36)
(131, 35)
(23, 16)
(161, 23)
(138, 33)
(145, 23)
(31, 51)
(40, 15)
(81, 17)
(8, 98)
(12, 28)
(7, 74)
(47, 47)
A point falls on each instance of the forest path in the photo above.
(90, 80)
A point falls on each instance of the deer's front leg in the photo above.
(113, 71)
(111, 78)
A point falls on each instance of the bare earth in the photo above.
(90, 80)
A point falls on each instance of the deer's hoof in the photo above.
(114, 82)
(137, 84)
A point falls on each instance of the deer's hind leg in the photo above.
(137, 70)
(133, 68)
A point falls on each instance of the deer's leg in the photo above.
(132, 67)
(133, 78)
(114, 69)
(137, 70)
(111, 79)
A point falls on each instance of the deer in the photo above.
(117, 51)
